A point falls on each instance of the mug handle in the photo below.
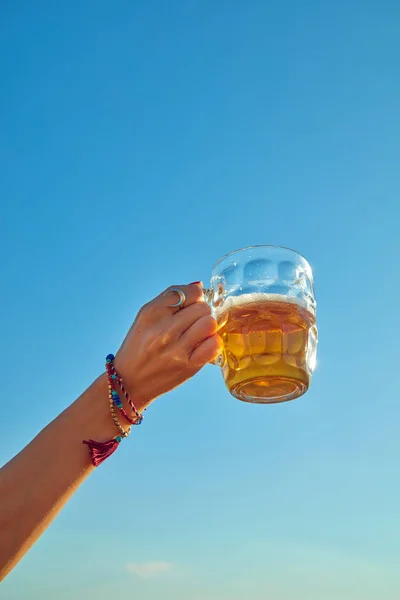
(208, 292)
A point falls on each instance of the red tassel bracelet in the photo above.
(99, 451)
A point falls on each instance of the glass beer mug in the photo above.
(262, 298)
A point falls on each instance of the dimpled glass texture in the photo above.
(263, 300)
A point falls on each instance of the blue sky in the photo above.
(140, 141)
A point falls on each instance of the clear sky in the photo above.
(140, 141)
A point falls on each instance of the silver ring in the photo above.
(181, 295)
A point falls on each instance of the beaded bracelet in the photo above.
(113, 377)
(99, 451)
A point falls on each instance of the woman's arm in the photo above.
(164, 347)
(36, 484)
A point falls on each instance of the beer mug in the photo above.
(262, 298)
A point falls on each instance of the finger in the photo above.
(207, 351)
(157, 310)
(186, 317)
(193, 293)
(198, 332)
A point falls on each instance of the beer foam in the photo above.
(258, 297)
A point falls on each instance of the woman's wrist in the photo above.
(122, 417)
(100, 409)
(95, 404)
(139, 387)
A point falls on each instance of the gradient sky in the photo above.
(140, 141)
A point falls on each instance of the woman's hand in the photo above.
(167, 345)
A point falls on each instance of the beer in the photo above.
(269, 346)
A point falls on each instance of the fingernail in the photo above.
(194, 282)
